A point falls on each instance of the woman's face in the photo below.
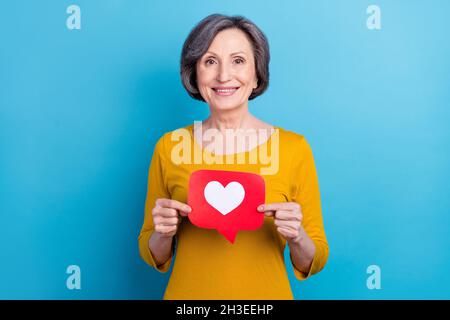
(226, 73)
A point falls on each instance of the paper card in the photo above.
(226, 201)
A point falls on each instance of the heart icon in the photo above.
(225, 199)
(228, 209)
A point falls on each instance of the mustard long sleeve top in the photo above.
(205, 264)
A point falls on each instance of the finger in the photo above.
(287, 233)
(288, 215)
(174, 204)
(165, 212)
(294, 225)
(279, 206)
(165, 221)
(183, 213)
(165, 229)
(269, 213)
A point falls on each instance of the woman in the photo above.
(225, 62)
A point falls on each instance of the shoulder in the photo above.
(170, 138)
(294, 145)
(290, 138)
(297, 151)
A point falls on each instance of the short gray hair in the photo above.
(201, 37)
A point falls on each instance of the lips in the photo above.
(225, 91)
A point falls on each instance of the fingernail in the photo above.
(189, 209)
(260, 208)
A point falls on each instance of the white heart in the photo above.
(225, 199)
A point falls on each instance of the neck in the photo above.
(237, 118)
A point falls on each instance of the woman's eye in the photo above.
(212, 61)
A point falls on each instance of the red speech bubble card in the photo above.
(226, 201)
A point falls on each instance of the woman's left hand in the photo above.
(287, 217)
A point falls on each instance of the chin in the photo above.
(227, 105)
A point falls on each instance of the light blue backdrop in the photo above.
(82, 109)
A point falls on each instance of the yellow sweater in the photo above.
(205, 264)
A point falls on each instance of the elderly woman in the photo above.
(225, 62)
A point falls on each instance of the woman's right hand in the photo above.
(167, 215)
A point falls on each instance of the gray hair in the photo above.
(201, 37)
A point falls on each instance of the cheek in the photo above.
(204, 76)
(205, 80)
(248, 76)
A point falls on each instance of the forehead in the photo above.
(231, 40)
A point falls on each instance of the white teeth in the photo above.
(226, 90)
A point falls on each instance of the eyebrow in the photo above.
(231, 54)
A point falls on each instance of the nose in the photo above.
(224, 73)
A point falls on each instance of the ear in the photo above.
(256, 83)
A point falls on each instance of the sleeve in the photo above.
(156, 188)
(305, 191)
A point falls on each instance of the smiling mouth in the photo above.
(225, 91)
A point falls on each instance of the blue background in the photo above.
(82, 109)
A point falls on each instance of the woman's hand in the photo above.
(287, 218)
(167, 215)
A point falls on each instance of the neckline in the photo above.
(203, 150)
